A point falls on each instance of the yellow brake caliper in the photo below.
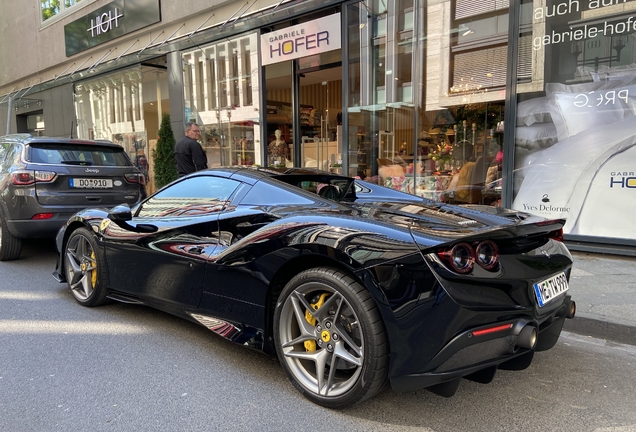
(310, 345)
(94, 272)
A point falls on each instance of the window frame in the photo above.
(64, 11)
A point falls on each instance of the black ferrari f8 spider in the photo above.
(352, 285)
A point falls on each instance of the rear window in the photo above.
(333, 188)
(76, 154)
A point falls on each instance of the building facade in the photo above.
(526, 104)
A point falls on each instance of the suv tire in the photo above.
(10, 246)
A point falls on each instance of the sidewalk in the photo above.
(604, 289)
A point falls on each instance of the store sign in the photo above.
(105, 22)
(109, 22)
(310, 38)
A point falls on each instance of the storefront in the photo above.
(523, 104)
(353, 89)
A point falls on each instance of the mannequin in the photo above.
(278, 148)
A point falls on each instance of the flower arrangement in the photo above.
(443, 154)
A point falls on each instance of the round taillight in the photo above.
(487, 254)
(462, 258)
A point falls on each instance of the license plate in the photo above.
(549, 289)
(90, 183)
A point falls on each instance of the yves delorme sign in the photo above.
(313, 37)
(116, 19)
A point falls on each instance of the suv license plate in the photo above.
(90, 183)
(549, 289)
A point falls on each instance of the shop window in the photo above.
(381, 113)
(575, 145)
(220, 96)
(420, 141)
(126, 108)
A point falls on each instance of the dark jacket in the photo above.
(189, 156)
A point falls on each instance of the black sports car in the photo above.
(351, 284)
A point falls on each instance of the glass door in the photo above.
(279, 115)
(321, 119)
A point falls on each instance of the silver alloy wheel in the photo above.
(334, 365)
(81, 267)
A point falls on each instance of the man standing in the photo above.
(188, 153)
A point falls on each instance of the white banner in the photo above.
(313, 37)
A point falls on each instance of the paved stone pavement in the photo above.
(604, 289)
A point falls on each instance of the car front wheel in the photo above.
(84, 268)
(330, 338)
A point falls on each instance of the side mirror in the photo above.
(121, 214)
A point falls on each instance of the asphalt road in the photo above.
(64, 367)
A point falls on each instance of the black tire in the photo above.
(85, 269)
(347, 326)
(10, 246)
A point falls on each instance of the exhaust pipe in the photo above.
(527, 337)
(571, 310)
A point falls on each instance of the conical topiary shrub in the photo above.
(163, 155)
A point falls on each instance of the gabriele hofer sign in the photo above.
(313, 37)
(109, 22)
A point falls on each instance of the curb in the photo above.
(620, 333)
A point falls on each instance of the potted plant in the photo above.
(163, 156)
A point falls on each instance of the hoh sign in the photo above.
(313, 37)
(116, 19)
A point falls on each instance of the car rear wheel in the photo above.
(83, 268)
(330, 338)
(10, 246)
